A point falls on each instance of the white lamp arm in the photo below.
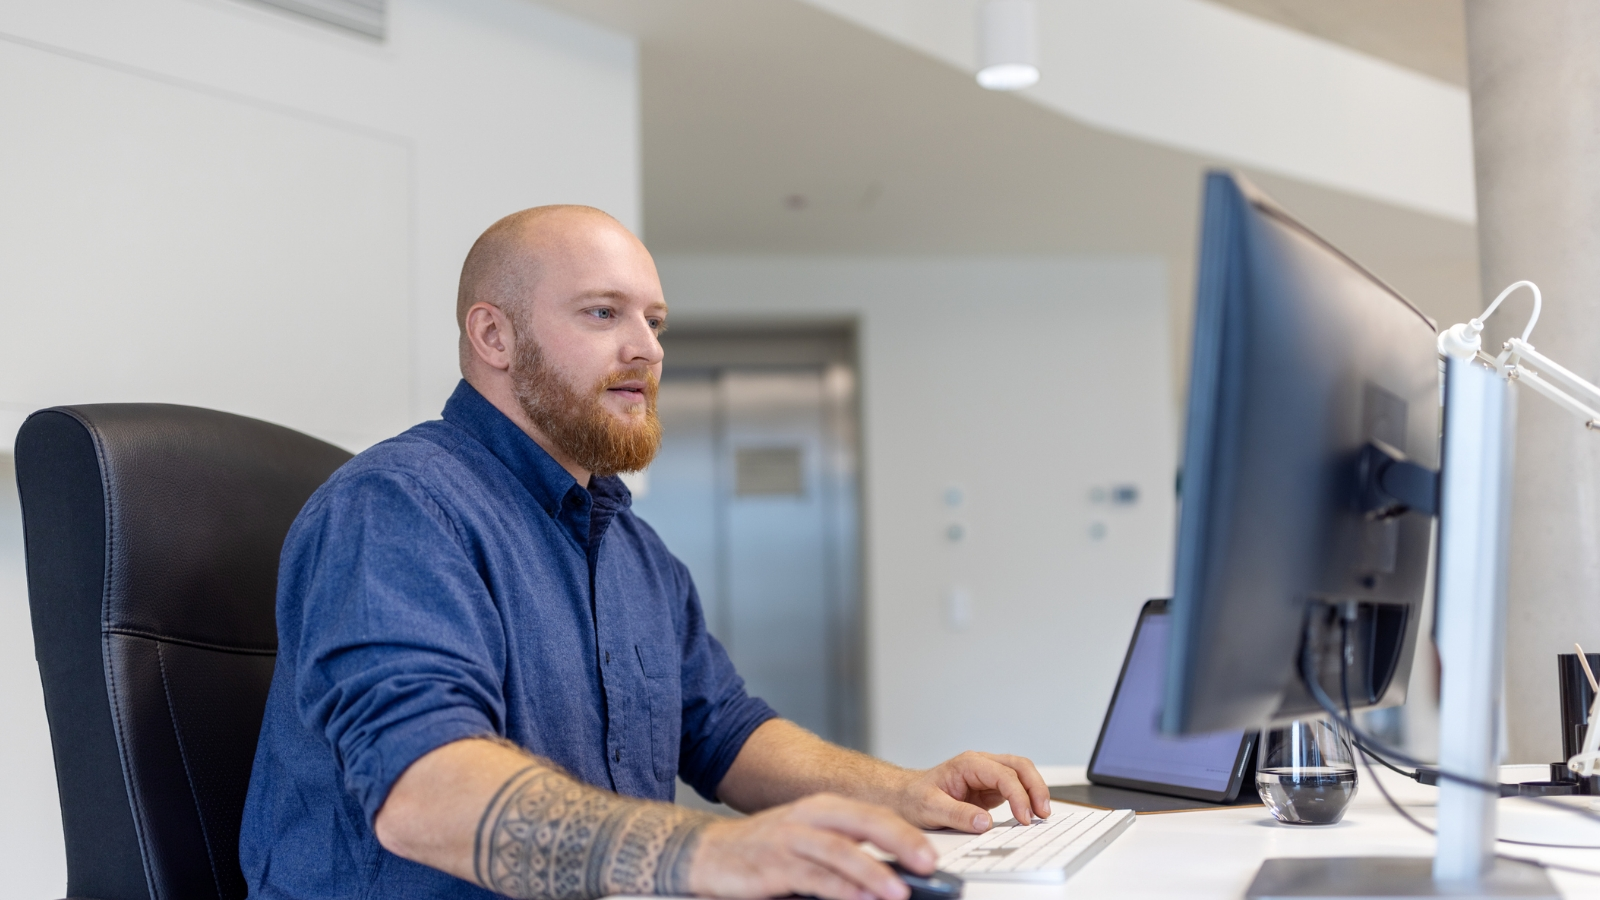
(1526, 364)
(1587, 762)
(1521, 362)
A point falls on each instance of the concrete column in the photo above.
(1535, 78)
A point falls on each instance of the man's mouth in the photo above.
(628, 390)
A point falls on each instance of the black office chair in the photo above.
(153, 534)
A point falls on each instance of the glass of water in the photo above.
(1306, 772)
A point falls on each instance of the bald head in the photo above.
(504, 264)
(561, 311)
(541, 270)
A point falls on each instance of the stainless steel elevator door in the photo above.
(754, 490)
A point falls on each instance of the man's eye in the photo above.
(600, 313)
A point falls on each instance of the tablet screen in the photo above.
(1132, 746)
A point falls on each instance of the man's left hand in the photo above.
(959, 793)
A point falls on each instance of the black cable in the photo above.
(1393, 804)
(1379, 757)
(1369, 753)
(1344, 693)
(1501, 840)
(1401, 811)
(1308, 674)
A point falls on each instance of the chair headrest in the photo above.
(196, 505)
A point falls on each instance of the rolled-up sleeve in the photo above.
(400, 647)
(718, 714)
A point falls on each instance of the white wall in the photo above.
(213, 202)
(471, 109)
(1025, 383)
(165, 243)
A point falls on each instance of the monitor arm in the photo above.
(1474, 531)
(1471, 496)
(1520, 363)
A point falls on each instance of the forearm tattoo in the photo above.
(547, 836)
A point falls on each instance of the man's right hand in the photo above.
(809, 847)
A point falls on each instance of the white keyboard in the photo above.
(1048, 850)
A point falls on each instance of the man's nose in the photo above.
(642, 345)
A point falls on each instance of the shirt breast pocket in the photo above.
(664, 693)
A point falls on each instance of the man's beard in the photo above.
(578, 423)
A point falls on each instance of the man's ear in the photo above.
(491, 336)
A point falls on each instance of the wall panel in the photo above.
(173, 244)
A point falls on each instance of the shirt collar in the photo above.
(544, 478)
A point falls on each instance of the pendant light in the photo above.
(1008, 44)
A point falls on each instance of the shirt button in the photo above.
(608, 657)
(616, 756)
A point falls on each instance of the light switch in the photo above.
(958, 608)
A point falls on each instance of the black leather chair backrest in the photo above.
(153, 534)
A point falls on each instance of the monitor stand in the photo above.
(1473, 538)
(1385, 877)
(1103, 796)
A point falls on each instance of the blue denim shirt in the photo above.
(456, 581)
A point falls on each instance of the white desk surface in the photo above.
(1215, 853)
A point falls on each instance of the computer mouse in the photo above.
(938, 886)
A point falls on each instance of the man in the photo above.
(490, 671)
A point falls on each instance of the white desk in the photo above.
(1215, 853)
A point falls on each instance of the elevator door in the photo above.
(754, 490)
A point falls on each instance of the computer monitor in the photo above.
(1309, 375)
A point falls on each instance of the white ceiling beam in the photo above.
(1207, 79)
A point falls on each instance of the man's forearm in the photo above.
(519, 826)
(545, 835)
(782, 762)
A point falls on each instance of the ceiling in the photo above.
(1429, 36)
(774, 127)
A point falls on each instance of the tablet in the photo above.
(1131, 752)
